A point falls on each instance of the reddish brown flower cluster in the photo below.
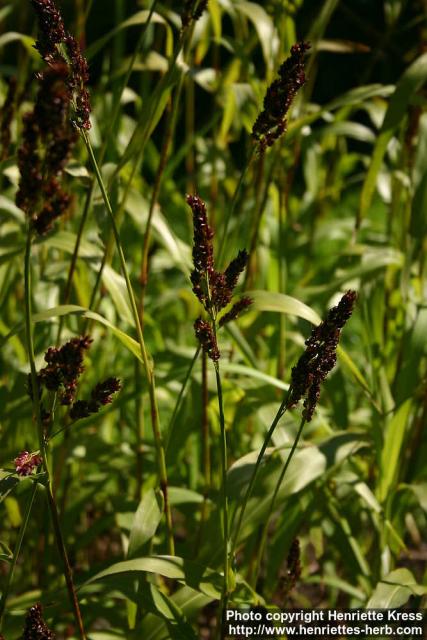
(320, 356)
(192, 11)
(53, 36)
(35, 626)
(293, 570)
(6, 116)
(63, 370)
(26, 462)
(64, 367)
(236, 310)
(214, 289)
(48, 138)
(101, 395)
(51, 28)
(206, 336)
(271, 122)
(79, 77)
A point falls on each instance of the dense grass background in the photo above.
(337, 203)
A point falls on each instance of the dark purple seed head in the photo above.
(104, 391)
(271, 122)
(241, 306)
(319, 357)
(35, 626)
(26, 462)
(206, 337)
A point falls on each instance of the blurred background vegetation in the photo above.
(339, 202)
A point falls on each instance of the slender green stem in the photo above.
(273, 500)
(281, 264)
(16, 553)
(280, 413)
(206, 450)
(42, 445)
(110, 130)
(140, 429)
(225, 528)
(148, 365)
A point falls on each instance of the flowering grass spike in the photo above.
(55, 45)
(64, 367)
(214, 289)
(48, 139)
(26, 462)
(51, 29)
(101, 395)
(320, 356)
(271, 122)
(35, 626)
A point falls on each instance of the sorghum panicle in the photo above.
(235, 268)
(61, 375)
(236, 310)
(271, 122)
(319, 357)
(203, 234)
(206, 337)
(293, 566)
(222, 285)
(48, 139)
(101, 395)
(213, 289)
(52, 35)
(51, 29)
(6, 117)
(202, 248)
(64, 367)
(79, 77)
(35, 626)
(26, 462)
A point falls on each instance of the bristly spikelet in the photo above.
(202, 248)
(78, 79)
(35, 626)
(206, 337)
(235, 269)
(271, 122)
(64, 367)
(48, 139)
(26, 462)
(61, 375)
(319, 357)
(101, 395)
(51, 29)
(236, 310)
(293, 564)
(55, 45)
(214, 289)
